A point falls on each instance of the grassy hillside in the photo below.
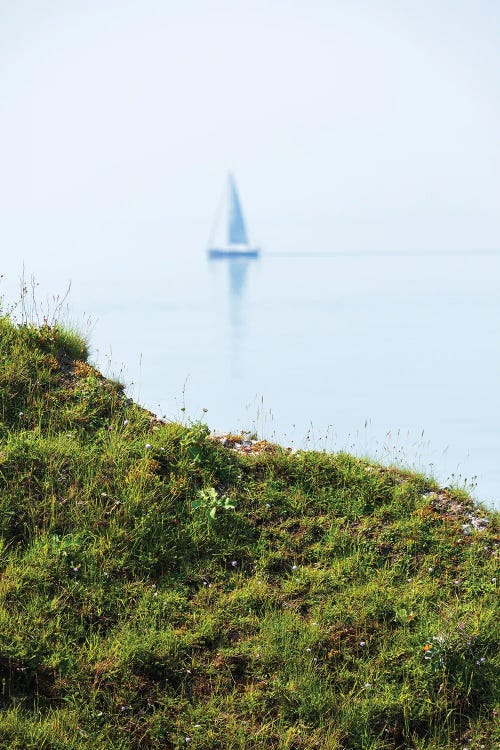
(338, 604)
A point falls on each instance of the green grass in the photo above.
(340, 604)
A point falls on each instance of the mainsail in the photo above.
(237, 233)
(235, 244)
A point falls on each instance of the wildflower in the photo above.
(294, 567)
(427, 647)
(493, 580)
(21, 414)
(187, 739)
(122, 708)
(362, 643)
(308, 649)
(431, 570)
(76, 568)
(148, 446)
(125, 422)
(368, 685)
(234, 564)
(456, 582)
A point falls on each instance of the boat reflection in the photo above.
(237, 275)
(238, 271)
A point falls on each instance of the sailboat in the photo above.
(237, 244)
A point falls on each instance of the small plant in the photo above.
(435, 653)
(193, 439)
(210, 502)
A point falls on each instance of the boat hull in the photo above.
(233, 252)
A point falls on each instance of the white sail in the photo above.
(237, 233)
(237, 244)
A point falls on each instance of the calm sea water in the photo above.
(394, 357)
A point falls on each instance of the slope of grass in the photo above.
(338, 604)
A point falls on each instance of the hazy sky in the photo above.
(350, 125)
